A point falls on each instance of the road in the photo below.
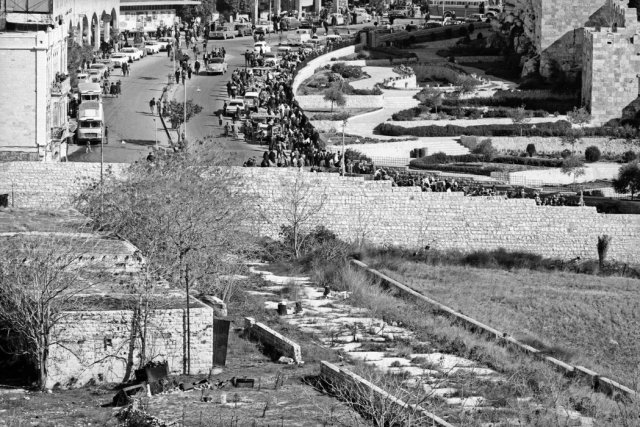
(132, 130)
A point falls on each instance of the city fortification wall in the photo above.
(384, 215)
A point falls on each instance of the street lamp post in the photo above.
(344, 124)
(185, 111)
(155, 127)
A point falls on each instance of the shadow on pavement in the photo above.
(148, 78)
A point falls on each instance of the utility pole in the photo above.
(155, 127)
(101, 169)
(344, 124)
(185, 111)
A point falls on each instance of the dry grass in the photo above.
(588, 320)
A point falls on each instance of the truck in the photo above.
(90, 122)
(224, 32)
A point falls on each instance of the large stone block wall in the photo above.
(384, 215)
(49, 185)
(95, 345)
(274, 339)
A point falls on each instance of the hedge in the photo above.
(532, 100)
(546, 129)
(469, 169)
(441, 158)
(528, 161)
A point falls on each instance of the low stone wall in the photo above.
(486, 58)
(275, 340)
(308, 71)
(318, 103)
(350, 386)
(97, 345)
(49, 185)
(554, 144)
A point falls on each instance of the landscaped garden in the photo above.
(336, 76)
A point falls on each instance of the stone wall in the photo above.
(49, 185)
(278, 342)
(383, 215)
(318, 103)
(348, 385)
(96, 345)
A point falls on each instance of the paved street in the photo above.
(132, 131)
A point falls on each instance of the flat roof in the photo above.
(159, 2)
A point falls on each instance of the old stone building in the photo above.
(102, 336)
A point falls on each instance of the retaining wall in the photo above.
(275, 340)
(375, 211)
(318, 103)
(308, 70)
(95, 345)
(44, 185)
(353, 387)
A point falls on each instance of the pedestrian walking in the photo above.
(177, 76)
(196, 66)
(88, 147)
(106, 134)
(118, 87)
(152, 105)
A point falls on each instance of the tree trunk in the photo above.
(186, 276)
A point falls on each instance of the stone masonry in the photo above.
(384, 215)
(96, 345)
(611, 64)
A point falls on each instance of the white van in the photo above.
(298, 37)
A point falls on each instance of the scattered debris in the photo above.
(243, 382)
(123, 397)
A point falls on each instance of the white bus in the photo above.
(90, 122)
(464, 8)
(89, 92)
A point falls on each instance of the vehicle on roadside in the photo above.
(290, 23)
(95, 76)
(101, 67)
(152, 47)
(89, 92)
(216, 66)
(165, 42)
(264, 27)
(362, 16)
(244, 30)
(233, 105)
(225, 32)
(118, 58)
(333, 38)
(298, 37)
(261, 47)
(90, 122)
(477, 17)
(252, 99)
(83, 77)
(133, 53)
(270, 59)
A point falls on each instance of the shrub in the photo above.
(592, 154)
(405, 115)
(528, 161)
(347, 71)
(471, 142)
(546, 100)
(442, 158)
(565, 154)
(541, 129)
(531, 149)
(629, 156)
(485, 149)
(470, 169)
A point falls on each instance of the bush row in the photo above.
(463, 113)
(541, 129)
(532, 100)
(442, 158)
(469, 169)
(528, 161)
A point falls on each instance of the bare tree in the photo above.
(299, 208)
(183, 213)
(39, 282)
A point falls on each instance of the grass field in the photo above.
(583, 319)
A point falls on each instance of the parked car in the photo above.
(252, 100)
(223, 33)
(299, 37)
(165, 42)
(233, 105)
(261, 47)
(477, 17)
(133, 53)
(270, 59)
(119, 58)
(95, 76)
(264, 27)
(216, 66)
(152, 47)
(244, 30)
(102, 68)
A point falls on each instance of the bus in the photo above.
(90, 122)
(89, 92)
(461, 9)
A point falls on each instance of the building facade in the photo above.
(149, 15)
(34, 41)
